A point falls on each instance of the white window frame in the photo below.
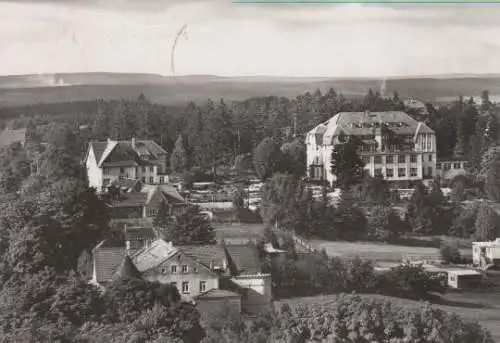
(185, 287)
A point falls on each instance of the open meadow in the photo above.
(381, 252)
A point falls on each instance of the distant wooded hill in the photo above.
(31, 89)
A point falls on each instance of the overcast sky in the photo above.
(241, 39)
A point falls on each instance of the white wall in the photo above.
(424, 146)
(260, 291)
(94, 173)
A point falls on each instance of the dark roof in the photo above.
(131, 200)
(7, 137)
(166, 191)
(366, 123)
(125, 183)
(245, 258)
(217, 294)
(153, 255)
(98, 148)
(139, 233)
(106, 260)
(120, 153)
(127, 269)
(206, 254)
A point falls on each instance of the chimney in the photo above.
(133, 142)
(211, 265)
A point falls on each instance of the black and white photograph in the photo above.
(249, 171)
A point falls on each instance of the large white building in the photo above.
(394, 145)
(111, 160)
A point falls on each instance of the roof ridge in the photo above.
(107, 151)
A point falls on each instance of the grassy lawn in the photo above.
(238, 230)
(375, 251)
(483, 307)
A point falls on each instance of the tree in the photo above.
(373, 190)
(415, 208)
(278, 194)
(458, 189)
(177, 323)
(295, 157)
(349, 222)
(126, 299)
(178, 159)
(38, 245)
(346, 164)
(486, 225)
(450, 253)
(267, 158)
(490, 171)
(189, 228)
(8, 181)
(83, 217)
(384, 223)
(239, 198)
(76, 301)
(162, 217)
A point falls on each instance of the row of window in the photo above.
(107, 171)
(185, 289)
(390, 159)
(151, 180)
(184, 269)
(448, 165)
(389, 172)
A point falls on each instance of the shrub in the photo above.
(450, 253)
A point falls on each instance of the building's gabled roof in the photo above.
(98, 148)
(244, 258)
(215, 293)
(7, 137)
(126, 152)
(208, 255)
(366, 123)
(153, 255)
(127, 269)
(107, 258)
(126, 184)
(131, 200)
(157, 193)
(139, 233)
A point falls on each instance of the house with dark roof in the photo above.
(114, 160)
(143, 201)
(392, 145)
(205, 274)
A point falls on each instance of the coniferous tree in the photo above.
(267, 158)
(346, 164)
(179, 159)
(162, 217)
(486, 225)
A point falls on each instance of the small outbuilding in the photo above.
(464, 278)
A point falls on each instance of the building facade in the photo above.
(393, 145)
(209, 274)
(447, 170)
(111, 161)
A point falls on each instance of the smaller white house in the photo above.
(486, 253)
(463, 278)
(110, 161)
(446, 170)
